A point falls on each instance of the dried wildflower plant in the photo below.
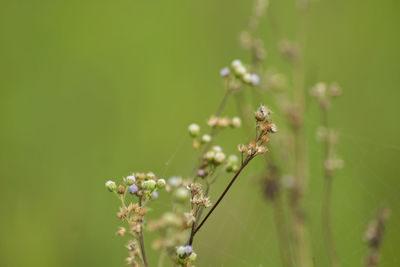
(178, 227)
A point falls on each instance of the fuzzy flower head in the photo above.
(262, 113)
(224, 72)
(130, 180)
(149, 185)
(133, 189)
(255, 79)
(194, 129)
(206, 138)
(111, 186)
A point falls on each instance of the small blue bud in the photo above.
(133, 189)
(155, 195)
(188, 250)
(224, 72)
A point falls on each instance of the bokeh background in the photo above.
(92, 90)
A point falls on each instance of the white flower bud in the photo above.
(194, 129)
(206, 138)
(247, 78)
(209, 156)
(240, 70)
(217, 149)
(219, 157)
(180, 251)
(181, 194)
(236, 122)
(130, 180)
(161, 183)
(111, 186)
(236, 63)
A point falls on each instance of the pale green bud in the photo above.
(111, 186)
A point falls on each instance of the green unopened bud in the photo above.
(149, 185)
(130, 180)
(111, 186)
(161, 183)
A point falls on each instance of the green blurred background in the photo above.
(92, 90)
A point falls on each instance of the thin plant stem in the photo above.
(326, 205)
(300, 168)
(280, 225)
(250, 157)
(141, 241)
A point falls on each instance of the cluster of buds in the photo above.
(223, 122)
(197, 196)
(324, 93)
(214, 122)
(134, 253)
(144, 185)
(215, 156)
(185, 255)
(240, 72)
(265, 127)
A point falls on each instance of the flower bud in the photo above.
(255, 79)
(161, 183)
(188, 250)
(224, 72)
(236, 122)
(149, 185)
(209, 156)
(193, 256)
(180, 251)
(121, 189)
(181, 194)
(194, 129)
(219, 157)
(206, 138)
(111, 186)
(130, 180)
(247, 78)
(240, 70)
(236, 63)
(133, 189)
(154, 195)
(174, 181)
(201, 173)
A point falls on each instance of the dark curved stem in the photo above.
(222, 195)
